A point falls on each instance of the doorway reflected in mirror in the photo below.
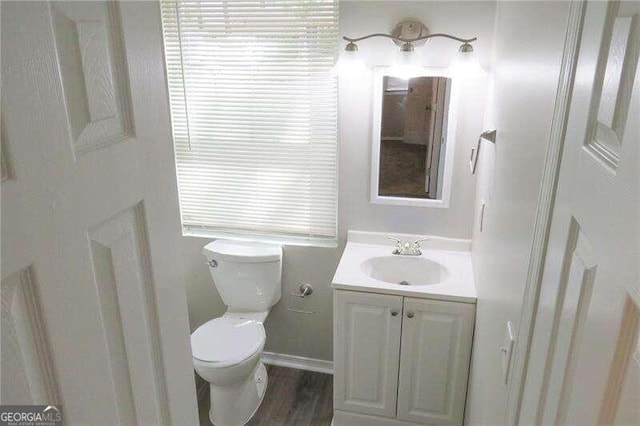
(414, 114)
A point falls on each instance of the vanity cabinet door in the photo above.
(366, 352)
(434, 361)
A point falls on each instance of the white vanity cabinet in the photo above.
(435, 352)
(400, 360)
(366, 341)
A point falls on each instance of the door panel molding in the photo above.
(92, 62)
(122, 274)
(28, 370)
(615, 71)
(5, 158)
(627, 357)
(574, 295)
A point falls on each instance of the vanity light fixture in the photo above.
(408, 35)
(349, 62)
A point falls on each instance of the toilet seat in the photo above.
(227, 341)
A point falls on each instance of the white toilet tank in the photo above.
(247, 274)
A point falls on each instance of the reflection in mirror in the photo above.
(412, 136)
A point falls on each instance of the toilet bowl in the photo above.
(226, 350)
(226, 353)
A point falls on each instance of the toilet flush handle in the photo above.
(212, 263)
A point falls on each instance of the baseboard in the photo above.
(298, 362)
(345, 418)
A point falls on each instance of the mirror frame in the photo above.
(450, 141)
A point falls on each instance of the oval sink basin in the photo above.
(405, 270)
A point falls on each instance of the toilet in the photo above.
(226, 350)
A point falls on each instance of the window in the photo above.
(254, 114)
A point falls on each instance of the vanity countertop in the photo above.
(452, 254)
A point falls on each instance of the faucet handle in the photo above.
(396, 240)
(417, 242)
(398, 248)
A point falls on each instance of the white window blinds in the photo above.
(254, 113)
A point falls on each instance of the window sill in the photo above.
(325, 242)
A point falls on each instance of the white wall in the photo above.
(528, 49)
(311, 335)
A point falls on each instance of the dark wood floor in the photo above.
(294, 397)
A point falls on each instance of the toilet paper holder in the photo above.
(304, 290)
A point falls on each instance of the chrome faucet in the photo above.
(406, 248)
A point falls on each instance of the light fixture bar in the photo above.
(410, 40)
(408, 34)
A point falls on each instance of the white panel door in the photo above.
(584, 361)
(366, 341)
(93, 308)
(434, 361)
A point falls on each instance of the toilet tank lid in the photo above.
(242, 251)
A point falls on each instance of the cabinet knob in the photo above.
(394, 313)
(410, 314)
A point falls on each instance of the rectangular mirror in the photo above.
(412, 141)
